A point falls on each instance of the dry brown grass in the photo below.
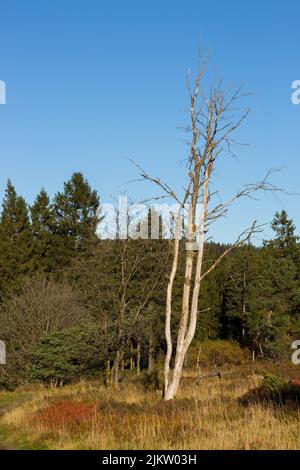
(206, 416)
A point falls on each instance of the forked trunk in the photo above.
(188, 319)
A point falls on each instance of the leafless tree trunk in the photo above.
(107, 373)
(131, 357)
(244, 304)
(138, 357)
(212, 124)
(115, 368)
(150, 355)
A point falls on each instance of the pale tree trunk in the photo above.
(116, 368)
(186, 360)
(107, 373)
(187, 331)
(169, 306)
(198, 366)
(244, 303)
(211, 124)
(138, 358)
(131, 357)
(150, 355)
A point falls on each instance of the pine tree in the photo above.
(15, 239)
(286, 246)
(211, 300)
(269, 303)
(241, 273)
(285, 239)
(75, 212)
(45, 243)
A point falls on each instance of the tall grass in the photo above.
(205, 416)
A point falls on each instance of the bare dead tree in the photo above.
(214, 118)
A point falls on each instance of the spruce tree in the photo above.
(269, 304)
(285, 241)
(45, 244)
(285, 246)
(75, 211)
(15, 239)
(241, 273)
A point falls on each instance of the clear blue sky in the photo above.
(92, 83)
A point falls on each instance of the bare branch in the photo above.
(242, 239)
(164, 186)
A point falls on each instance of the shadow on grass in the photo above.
(285, 394)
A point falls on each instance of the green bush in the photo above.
(272, 383)
(66, 356)
(216, 353)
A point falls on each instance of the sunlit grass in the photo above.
(205, 416)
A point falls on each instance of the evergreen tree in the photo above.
(241, 273)
(63, 356)
(269, 304)
(75, 212)
(285, 239)
(15, 239)
(211, 300)
(286, 246)
(45, 243)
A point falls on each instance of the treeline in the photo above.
(72, 305)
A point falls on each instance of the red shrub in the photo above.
(295, 382)
(63, 413)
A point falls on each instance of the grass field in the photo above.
(207, 416)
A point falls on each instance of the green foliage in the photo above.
(251, 302)
(68, 355)
(261, 297)
(284, 228)
(216, 353)
(272, 382)
(15, 240)
(268, 305)
(75, 211)
(241, 274)
(46, 245)
(210, 314)
(41, 306)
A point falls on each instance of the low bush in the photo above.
(66, 356)
(63, 414)
(216, 353)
